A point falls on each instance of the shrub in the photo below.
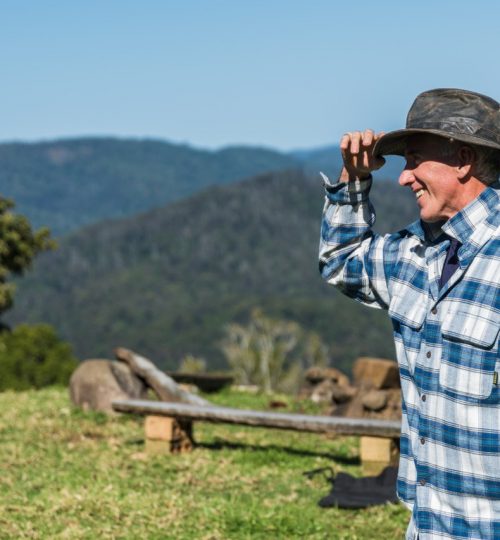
(192, 364)
(32, 356)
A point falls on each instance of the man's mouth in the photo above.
(419, 193)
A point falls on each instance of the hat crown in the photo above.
(457, 112)
(463, 115)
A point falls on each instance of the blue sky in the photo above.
(286, 74)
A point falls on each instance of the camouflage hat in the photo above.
(448, 112)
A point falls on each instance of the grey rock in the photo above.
(374, 400)
(322, 392)
(95, 384)
(315, 375)
(341, 394)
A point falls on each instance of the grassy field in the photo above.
(69, 474)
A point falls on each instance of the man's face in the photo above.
(431, 174)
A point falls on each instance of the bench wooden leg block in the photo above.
(168, 435)
(377, 453)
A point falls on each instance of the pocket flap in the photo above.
(475, 384)
(409, 309)
(477, 327)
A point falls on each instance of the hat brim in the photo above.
(394, 143)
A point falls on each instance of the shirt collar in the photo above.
(481, 212)
(468, 224)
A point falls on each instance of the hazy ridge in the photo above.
(70, 183)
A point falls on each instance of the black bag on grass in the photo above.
(351, 492)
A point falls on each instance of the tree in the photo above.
(30, 356)
(271, 352)
(19, 245)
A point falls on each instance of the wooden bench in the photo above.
(168, 427)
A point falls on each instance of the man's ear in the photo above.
(466, 159)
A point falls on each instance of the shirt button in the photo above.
(424, 397)
(429, 354)
(422, 482)
(434, 311)
(422, 440)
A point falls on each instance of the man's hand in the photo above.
(357, 152)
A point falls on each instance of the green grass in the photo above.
(69, 474)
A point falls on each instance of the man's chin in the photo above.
(430, 218)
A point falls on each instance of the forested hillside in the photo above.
(70, 183)
(167, 281)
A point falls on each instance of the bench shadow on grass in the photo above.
(227, 445)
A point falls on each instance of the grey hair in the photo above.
(487, 160)
(487, 164)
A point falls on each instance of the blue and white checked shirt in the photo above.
(447, 348)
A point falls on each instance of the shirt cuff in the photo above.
(352, 192)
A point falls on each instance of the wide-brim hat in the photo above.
(447, 112)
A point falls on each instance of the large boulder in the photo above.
(376, 373)
(95, 384)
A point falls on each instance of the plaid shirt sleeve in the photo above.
(352, 257)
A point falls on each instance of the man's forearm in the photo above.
(351, 256)
(344, 224)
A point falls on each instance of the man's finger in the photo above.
(368, 137)
(345, 141)
(355, 140)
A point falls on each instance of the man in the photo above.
(439, 279)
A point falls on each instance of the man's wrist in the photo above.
(346, 176)
(342, 192)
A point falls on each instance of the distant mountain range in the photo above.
(68, 184)
(71, 183)
(166, 282)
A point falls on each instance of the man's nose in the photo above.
(406, 177)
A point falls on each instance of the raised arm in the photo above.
(352, 257)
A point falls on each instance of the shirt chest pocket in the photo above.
(408, 307)
(470, 354)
